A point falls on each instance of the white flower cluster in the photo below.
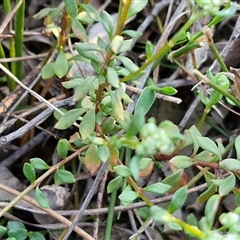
(212, 6)
(154, 139)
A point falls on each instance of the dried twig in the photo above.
(16, 59)
(35, 121)
(99, 204)
(9, 16)
(92, 212)
(22, 116)
(49, 211)
(87, 200)
(25, 148)
(34, 94)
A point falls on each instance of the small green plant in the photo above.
(101, 98)
(17, 231)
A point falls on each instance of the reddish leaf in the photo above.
(92, 162)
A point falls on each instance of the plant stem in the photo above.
(217, 128)
(173, 41)
(193, 230)
(203, 117)
(122, 17)
(64, 30)
(110, 215)
(40, 179)
(49, 212)
(214, 22)
(214, 97)
(86, 1)
(11, 83)
(19, 30)
(137, 189)
(208, 35)
(168, 46)
(217, 88)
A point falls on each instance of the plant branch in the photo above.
(137, 188)
(88, 198)
(193, 230)
(216, 87)
(41, 178)
(19, 29)
(49, 211)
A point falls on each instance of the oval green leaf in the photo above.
(168, 90)
(43, 13)
(2, 230)
(16, 230)
(48, 71)
(41, 198)
(145, 101)
(137, 122)
(117, 107)
(114, 184)
(126, 45)
(38, 163)
(87, 125)
(83, 88)
(128, 196)
(211, 209)
(209, 145)
(128, 64)
(132, 33)
(122, 170)
(103, 153)
(112, 77)
(71, 8)
(116, 44)
(160, 215)
(92, 12)
(149, 49)
(108, 24)
(136, 7)
(79, 30)
(61, 65)
(62, 148)
(73, 83)
(231, 164)
(87, 46)
(174, 179)
(36, 236)
(64, 176)
(108, 125)
(225, 185)
(69, 118)
(237, 147)
(144, 163)
(29, 172)
(178, 199)
(159, 188)
(181, 161)
(194, 132)
(210, 191)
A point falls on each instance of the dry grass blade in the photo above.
(10, 15)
